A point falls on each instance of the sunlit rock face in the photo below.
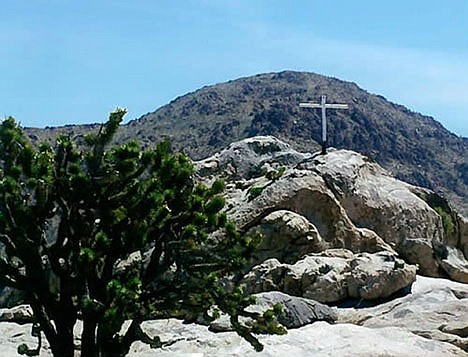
(307, 203)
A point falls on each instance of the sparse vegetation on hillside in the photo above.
(415, 148)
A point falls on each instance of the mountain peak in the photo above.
(414, 147)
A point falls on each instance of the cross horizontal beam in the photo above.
(328, 106)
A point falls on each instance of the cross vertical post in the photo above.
(324, 124)
(324, 106)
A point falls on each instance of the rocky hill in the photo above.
(413, 147)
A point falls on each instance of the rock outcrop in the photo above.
(318, 339)
(436, 309)
(330, 278)
(431, 321)
(338, 200)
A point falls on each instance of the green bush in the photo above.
(447, 221)
(126, 234)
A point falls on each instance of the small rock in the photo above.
(20, 314)
(297, 311)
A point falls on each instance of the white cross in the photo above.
(324, 105)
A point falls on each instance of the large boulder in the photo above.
(436, 309)
(305, 193)
(331, 278)
(418, 222)
(318, 339)
(344, 200)
(375, 200)
(248, 158)
(455, 265)
(288, 236)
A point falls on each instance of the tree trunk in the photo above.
(62, 348)
(60, 337)
(88, 337)
(109, 345)
(64, 345)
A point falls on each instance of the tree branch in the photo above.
(44, 320)
(10, 214)
(10, 276)
(5, 239)
(245, 333)
(136, 333)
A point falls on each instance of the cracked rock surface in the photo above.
(436, 309)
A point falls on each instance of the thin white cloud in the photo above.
(423, 80)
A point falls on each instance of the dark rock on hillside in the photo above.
(414, 147)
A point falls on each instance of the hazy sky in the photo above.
(64, 62)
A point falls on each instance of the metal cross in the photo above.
(324, 105)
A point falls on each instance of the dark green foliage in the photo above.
(110, 235)
(255, 191)
(324, 269)
(275, 174)
(447, 221)
(441, 206)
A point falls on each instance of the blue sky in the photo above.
(65, 62)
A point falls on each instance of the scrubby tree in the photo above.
(113, 234)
